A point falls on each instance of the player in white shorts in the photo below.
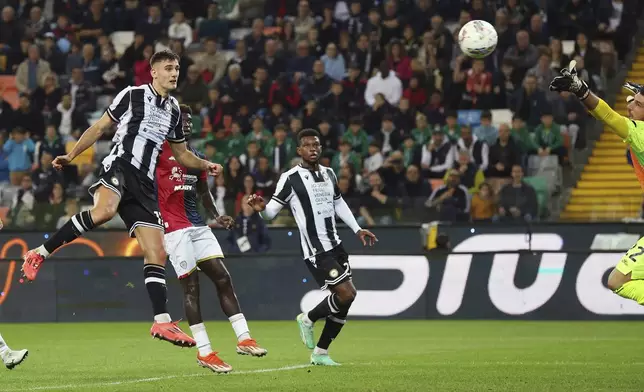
(191, 246)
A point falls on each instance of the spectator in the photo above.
(336, 104)
(11, 30)
(416, 189)
(392, 172)
(53, 55)
(558, 60)
(235, 143)
(6, 113)
(328, 27)
(365, 54)
(435, 156)
(576, 15)
(452, 200)
(248, 188)
(51, 144)
(388, 137)
(523, 54)
(408, 150)
(234, 176)
(94, 24)
(232, 89)
(129, 16)
(275, 117)
(259, 134)
(435, 110)
(415, 94)
(286, 41)
(544, 73)
(46, 98)
(179, 29)
(213, 27)
(378, 200)
(478, 150)
(375, 159)
(399, 62)
(213, 63)
(264, 176)
(346, 157)
(257, 94)
(504, 154)
(356, 137)
(318, 84)
(384, 82)
(529, 102)
(573, 120)
(486, 132)
(471, 176)
(354, 86)
(250, 233)
(284, 91)
(452, 128)
(280, 149)
(334, 64)
(212, 153)
(328, 139)
(114, 77)
(270, 60)
(194, 91)
(316, 47)
(538, 33)
(304, 20)
(82, 93)
(477, 87)
(142, 67)
(311, 116)
(21, 211)
(250, 158)
(29, 119)
(504, 85)
(153, 27)
(71, 209)
(505, 33)
(133, 53)
(44, 177)
(220, 194)
(548, 137)
(90, 65)
(31, 72)
(480, 11)
(35, 25)
(483, 207)
(255, 40)
(517, 200)
(302, 64)
(522, 137)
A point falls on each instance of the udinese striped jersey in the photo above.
(145, 120)
(311, 196)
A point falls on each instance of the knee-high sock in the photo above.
(332, 328)
(633, 289)
(155, 284)
(74, 228)
(329, 305)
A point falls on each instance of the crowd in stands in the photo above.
(384, 82)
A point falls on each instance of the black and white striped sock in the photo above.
(155, 284)
(74, 228)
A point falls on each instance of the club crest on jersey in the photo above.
(115, 181)
(333, 273)
(177, 174)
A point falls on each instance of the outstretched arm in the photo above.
(90, 136)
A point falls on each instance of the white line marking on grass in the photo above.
(152, 379)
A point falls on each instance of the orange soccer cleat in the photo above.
(32, 262)
(250, 347)
(214, 363)
(170, 332)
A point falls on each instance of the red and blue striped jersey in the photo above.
(177, 191)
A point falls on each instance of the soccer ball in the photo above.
(477, 39)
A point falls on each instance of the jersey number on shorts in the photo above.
(637, 252)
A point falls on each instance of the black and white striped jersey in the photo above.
(311, 196)
(145, 120)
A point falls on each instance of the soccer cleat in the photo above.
(250, 347)
(214, 363)
(32, 262)
(170, 332)
(306, 332)
(323, 360)
(14, 358)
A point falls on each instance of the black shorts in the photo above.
(138, 206)
(330, 268)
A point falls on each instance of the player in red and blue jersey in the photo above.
(191, 245)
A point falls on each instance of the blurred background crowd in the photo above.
(413, 128)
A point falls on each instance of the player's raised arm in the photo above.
(569, 81)
(87, 139)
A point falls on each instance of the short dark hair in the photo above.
(486, 114)
(308, 132)
(183, 108)
(164, 55)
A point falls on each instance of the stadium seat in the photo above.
(540, 186)
(469, 117)
(500, 116)
(568, 47)
(9, 90)
(121, 40)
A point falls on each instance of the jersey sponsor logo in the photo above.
(183, 188)
(176, 174)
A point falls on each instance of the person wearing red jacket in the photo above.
(415, 94)
(399, 62)
(284, 91)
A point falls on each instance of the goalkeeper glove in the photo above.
(569, 81)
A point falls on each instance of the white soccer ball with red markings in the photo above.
(477, 39)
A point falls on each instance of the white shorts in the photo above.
(190, 246)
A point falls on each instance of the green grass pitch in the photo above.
(376, 356)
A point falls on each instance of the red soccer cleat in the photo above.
(214, 363)
(170, 332)
(33, 261)
(250, 347)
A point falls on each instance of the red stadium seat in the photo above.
(9, 90)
